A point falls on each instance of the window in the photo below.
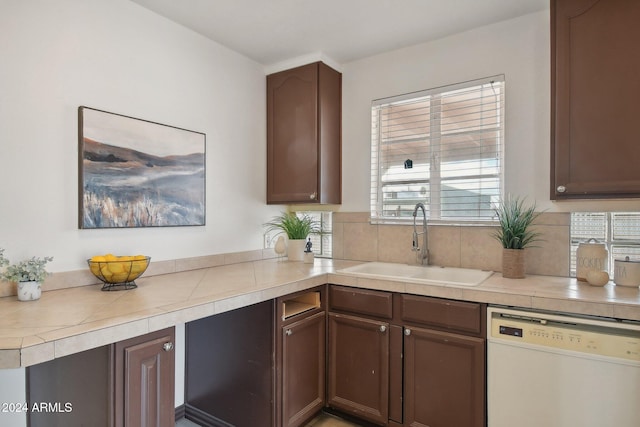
(321, 243)
(619, 231)
(442, 147)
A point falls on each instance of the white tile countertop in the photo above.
(72, 320)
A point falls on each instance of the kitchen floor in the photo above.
(328, 420)
(322, 420)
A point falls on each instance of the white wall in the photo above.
(12, 398)
(117, 56)
(519, 49)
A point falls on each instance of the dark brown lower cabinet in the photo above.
(303, 369)
(398, 359)
(300, 363)
(359, 367)
(444, 379)
(229, 374)
(145, 380)
(79, 384)
(391, 360)
(126, 384)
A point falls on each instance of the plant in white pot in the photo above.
(297, 228)
(515, 234)
(28, 275)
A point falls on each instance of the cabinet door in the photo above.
(292, 135)
(229, 368)
(303, 369)
(594, 98)
(145, 380)
(80, 387)
(444, 379)
(359, 367)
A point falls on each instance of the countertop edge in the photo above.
(535, 292)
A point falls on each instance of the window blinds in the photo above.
(442, 147)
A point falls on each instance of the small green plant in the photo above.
(294, 226)
(515, 219)
(3, 261)
(32, 269)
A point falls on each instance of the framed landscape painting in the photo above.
(137, 173)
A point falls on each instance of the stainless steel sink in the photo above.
(418, 274)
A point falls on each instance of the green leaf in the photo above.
(515, 219)
(32, 269)
(293, 225)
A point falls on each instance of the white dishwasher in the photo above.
(552, 370)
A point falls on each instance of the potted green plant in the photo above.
(28, 275)
(297, 228)
(515, 234)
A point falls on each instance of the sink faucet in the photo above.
(424, 250)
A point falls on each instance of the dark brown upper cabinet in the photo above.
(595, 137)
(304, 113)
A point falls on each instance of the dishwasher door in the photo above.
(559, 371)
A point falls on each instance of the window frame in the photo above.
(322, 243)
(433, 181)
(604, 231)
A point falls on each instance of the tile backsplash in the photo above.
(355, 238)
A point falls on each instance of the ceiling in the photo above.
(272, 31)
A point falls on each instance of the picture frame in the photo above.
(135, 173)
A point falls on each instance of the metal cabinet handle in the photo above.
(168, 346)
(383, 328)
(561, 189)
(288, 332)
(407, 331)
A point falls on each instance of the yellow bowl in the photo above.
(118, 272)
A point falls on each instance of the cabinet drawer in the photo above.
(443, 313)
(361, 301)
